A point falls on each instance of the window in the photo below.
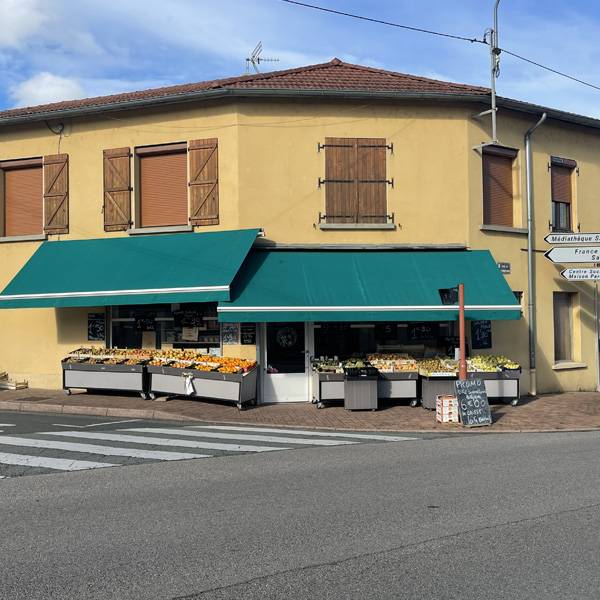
(355, 180)
(22, 197)
(165, 173)
(562, 192)
(163, 189)
(563, 326)
(498, 185)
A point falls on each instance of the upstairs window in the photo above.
(163, 185)
(498, 196)
(355, 180)
(22, 197)
(561, 170)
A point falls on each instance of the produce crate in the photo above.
(193, 383)
(400, 384)
(446, 410)
(127, 378)
(327, 386)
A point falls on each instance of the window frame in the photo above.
(508, 153)
(139, 152)
(556, 225)
(15, 164)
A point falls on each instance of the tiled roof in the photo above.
(334, 75)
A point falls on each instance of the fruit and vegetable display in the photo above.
(440, 367)
(324, 364)
(393, 363)
(491, 364)
(174, 358)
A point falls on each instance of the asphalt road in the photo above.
(465, 517)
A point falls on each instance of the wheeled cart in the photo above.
(327, 387)
(399, 385)
(192, 383)
(499, 385)
(126, 378)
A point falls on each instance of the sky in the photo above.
(54, 50)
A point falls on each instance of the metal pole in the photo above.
(530, 257)
(495, 69)
(462, 365)
(597, 330)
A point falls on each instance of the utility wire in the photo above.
(550, 69)
(381, 22)
(446, 35)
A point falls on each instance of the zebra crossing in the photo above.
(61, 450)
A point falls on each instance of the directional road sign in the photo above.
(573, 238)
(592, 274)
(581, 254)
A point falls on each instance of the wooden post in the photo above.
(462, 365)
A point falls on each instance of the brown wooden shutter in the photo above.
(341, 174)
(23, 205)
(204, 181)
(563, 327)
(56, 193)
(163, 189)
(117, 189)
(372, 205)
(497, 188)
(561, 183)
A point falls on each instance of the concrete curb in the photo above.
(95, 411)
(160, 415)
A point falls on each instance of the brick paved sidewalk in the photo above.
(580, 410)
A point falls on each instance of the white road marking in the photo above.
(95, 449)
(60, 464)
(7, 425)
(93, 424)
(242, 436)
(156, 441)
(2, 476)
(360, 436)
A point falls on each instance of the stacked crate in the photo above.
(446, 409)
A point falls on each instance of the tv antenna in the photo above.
(255, 59)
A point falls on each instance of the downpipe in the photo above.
(531, 292)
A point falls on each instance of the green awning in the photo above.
(369, 285)
(147, 269)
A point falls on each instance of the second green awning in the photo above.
(369, 285)
(148, 269)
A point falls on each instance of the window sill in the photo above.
(24, 238)
(568, 364)
(166, 229)
(503, 229)
(355, 226)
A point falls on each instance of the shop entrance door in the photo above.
(285, 363)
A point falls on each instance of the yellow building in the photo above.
(326, 158)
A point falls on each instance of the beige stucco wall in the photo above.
(268, 171)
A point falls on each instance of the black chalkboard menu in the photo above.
(473, 405)
(248, 334)
(481, 334)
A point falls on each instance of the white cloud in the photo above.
(45, 87)
(20, 20)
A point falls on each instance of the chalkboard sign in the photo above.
(473, 405)
(481, 334)
(418, 332)
(248, 334)
(96, 327)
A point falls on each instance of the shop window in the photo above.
(163, 189)
(449, 296)
(561, 170)
(498, 196)
(166, 326)
(563, 326)
(355, 180)
(22, 197)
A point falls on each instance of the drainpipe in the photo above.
(530, 256)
